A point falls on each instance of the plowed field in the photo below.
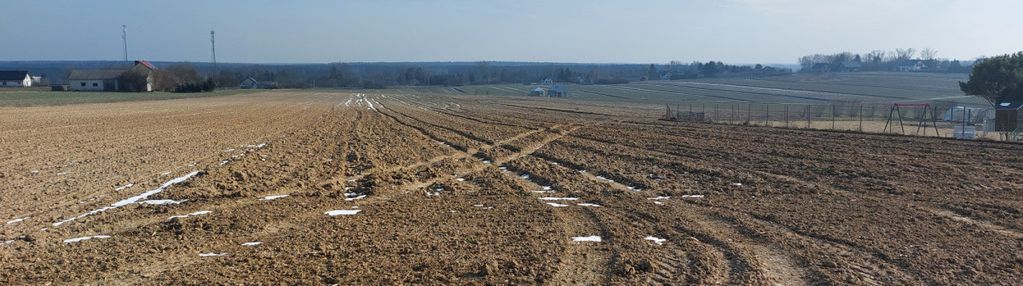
(368, 189)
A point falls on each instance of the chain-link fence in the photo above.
(941, 119)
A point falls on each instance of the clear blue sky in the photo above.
(643, 31)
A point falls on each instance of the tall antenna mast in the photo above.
(213, 47)
(124, 38)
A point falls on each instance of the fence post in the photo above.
(767, 118)
(716, 112)
(861, 117)
(807, 116)
(749, 113)
(833, 117)
(962, 132)
(786, 116)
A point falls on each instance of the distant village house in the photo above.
(252, 83)
(137, 78)
(549, 89)
(15, 79)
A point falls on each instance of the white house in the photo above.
(15, 79)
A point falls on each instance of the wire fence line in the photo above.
(924, 119)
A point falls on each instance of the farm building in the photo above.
(850, 67)
(1008, 117)
(15, 79)
(252, 83)
(549, 89)
(537, 91)
(111, 79)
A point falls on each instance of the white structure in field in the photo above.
(15, 79)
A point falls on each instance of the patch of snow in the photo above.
(546, 188)
(355, 198)
(592, 238)
(589, 205)
(658, 203)
(84, 238)
(658, 198)
(163, 187)
(692, 196)
(342, 212)
(162, 202)
(557, 205)
(211, 254)
(658, 241)
(17, 220)
(273, 197)
(482, 206)
(737, 184)
(460, 179)
(558, 199)
(132, 200)
(524, 176)
(251, 244)
(487, 162)
(121, 188)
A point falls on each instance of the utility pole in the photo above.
(124, 38)
(213, 48)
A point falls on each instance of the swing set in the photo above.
(889, 126)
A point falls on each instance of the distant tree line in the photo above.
(905, 60)
(381, 75)
(186, 77)
(676, 70)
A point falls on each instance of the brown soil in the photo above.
(489, 190)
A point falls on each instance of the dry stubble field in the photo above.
(434, 189)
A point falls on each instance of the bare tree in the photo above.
(876, 56)
(904, 54)
(928, 54)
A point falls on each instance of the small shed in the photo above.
(1008, 117)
